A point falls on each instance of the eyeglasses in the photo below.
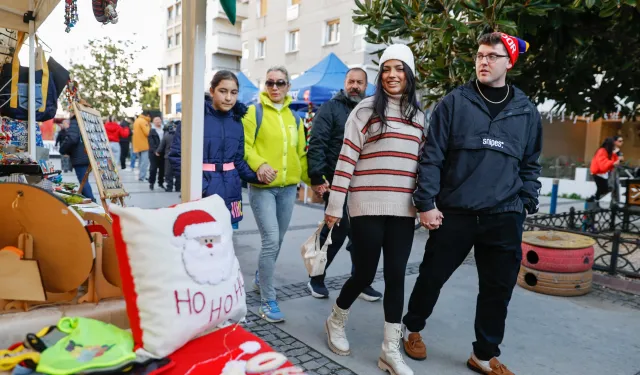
(491, 58)
(280, 83)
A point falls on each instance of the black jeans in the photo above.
(373, 235)
(124, 154)
(169, 176)
(496, 240)
(602, 187)
(156, 168)
(340, 233)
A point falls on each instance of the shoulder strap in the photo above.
(295, 116)
(259, 113)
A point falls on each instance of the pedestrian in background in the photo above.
(164, 149)
(275, 148)
(74, 146)
(605, 161)
(140, 142)
(156, 169)
(115, 133)
(377, 167)
(125, 143)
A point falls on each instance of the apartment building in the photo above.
(223, 49)
(299, 33)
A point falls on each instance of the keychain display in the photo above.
(101, 150)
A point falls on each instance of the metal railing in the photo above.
(616, 232)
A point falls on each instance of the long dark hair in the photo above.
(221, 75)
(609, 144)
(408, 102)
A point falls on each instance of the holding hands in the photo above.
(431, 219)
(266, 174)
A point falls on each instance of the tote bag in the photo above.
(314, 256)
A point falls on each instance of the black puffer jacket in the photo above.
(73, 145)
(327, 135)
(473, 163)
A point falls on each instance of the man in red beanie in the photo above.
(478, 179)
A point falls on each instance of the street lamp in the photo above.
(162, 89)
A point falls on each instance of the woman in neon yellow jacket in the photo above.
(275, 149)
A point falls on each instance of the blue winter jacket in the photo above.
(223, 143)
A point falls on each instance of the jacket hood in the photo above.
(518, 95)
(266, 101)
(237, 112)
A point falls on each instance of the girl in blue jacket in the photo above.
(223, 142)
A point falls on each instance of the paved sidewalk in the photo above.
(590, 335)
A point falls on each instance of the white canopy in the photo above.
(12, 13)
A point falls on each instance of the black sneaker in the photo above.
(151, 187)
(370, 295)
(317, 288)
(168, 189)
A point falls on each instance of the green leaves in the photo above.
(110, 83)
(571, 41)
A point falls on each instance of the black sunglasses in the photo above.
(280, 83)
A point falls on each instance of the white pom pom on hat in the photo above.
(399, 52)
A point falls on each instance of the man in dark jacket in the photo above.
(327, 134)
(62, 133)
(477, 180)
(124, 143)
(163, 149)
(73, 146)
(156, 159)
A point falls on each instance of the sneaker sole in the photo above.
(316, 295)
(270, 320)
(368, 298)
(333, 348)
(475, 369)
(384, 366)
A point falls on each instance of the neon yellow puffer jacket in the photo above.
(280, 143)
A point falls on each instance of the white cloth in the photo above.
(278, 106)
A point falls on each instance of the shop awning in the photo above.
(248, 91)
(12, 13)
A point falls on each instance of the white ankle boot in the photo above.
(391, 359)
(336, 335)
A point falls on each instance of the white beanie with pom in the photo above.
(399, 52)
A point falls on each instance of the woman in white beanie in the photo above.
(378, 167)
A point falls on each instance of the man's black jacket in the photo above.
(73, 145)
(475, 164)
(154, 141)
(327, 135)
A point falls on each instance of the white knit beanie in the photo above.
(399, 52)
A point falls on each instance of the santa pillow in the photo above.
(180, 274)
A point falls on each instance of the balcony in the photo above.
(293, 12)
(242, 11)
(226, 43)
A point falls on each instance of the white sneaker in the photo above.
(391, 359)
(335, 328)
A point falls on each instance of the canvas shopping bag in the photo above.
(314, 256)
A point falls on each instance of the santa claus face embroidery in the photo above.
(207, 255)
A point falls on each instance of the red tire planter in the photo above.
(557, 260)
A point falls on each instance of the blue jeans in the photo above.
(80, 172)
(144, 164)
(133, 157)
(272, 208)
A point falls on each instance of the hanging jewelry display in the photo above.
(70, 14)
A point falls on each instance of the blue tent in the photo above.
(321, 82)
(248, 91)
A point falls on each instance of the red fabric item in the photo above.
(128, 287)
(191, 218)
(115, 131)
(601, 162)
(228, 347)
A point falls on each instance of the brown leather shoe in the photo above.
(415, 347)
(497, 368)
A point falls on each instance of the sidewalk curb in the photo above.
(627, 286)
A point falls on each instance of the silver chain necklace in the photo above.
(485, 98)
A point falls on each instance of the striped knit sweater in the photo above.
(378, 170)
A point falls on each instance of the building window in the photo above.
(169, 71)
(293, 2)
(245, 50)
(169, 41)
(262, 8)
(332, 35)
(293, 38)
(170, 14)
(261, 48)
(178, 10)
(178, 39)
(178, 70)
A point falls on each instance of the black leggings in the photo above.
(602, 187)
(371, 236)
